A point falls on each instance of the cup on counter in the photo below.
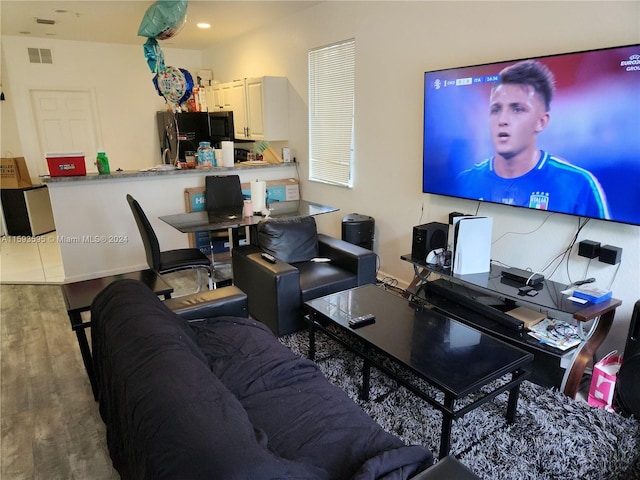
(190, 158)
(248, 208)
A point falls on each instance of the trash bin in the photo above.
(359, 230)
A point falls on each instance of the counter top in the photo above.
(160, 173)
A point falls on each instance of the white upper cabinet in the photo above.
(260, 106)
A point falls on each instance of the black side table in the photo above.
(78, 297)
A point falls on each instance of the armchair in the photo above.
(277, 291)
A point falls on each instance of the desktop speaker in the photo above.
(428, 237)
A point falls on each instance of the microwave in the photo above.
(221, 126)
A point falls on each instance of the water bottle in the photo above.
(206, 159)
(102, 162)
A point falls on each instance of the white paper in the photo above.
(258, 195)
(227, 154)
(472, 245)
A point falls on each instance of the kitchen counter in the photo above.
(150, 173)
(96, 230)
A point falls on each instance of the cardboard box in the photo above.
(14, 173)
(66, 164)
(281, 190)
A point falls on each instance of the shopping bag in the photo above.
(603, 381)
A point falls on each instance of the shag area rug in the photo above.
(553, 437)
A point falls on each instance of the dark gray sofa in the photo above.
(219, 397)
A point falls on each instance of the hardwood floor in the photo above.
(50, 425)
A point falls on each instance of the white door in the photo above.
(66, 123)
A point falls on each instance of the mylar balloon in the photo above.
(163, 19)
(175, 85)
(153, 54)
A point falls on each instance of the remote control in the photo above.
(358, 322)
(268, 258)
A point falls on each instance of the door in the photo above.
(66, 123)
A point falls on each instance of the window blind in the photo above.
(331, 113)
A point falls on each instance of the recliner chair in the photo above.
(277, 291)
(169, 260)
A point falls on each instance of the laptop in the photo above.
(223, 199)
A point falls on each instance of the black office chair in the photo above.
(223, 196)
(169, 260)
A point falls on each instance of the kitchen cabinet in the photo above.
(260, 107)
(218, 97)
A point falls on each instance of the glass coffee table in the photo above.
(435, 350)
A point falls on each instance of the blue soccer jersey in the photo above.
(553, 184)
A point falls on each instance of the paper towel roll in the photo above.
(258, 195)
(227, 154)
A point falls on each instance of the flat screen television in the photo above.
(490, 136)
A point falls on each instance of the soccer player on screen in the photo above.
(519, 173)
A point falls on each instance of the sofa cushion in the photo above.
(305, 418)
(289, 239)
(318, 279)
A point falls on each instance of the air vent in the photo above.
(44, 21)
(40, 55)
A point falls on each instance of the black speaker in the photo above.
(627, 394)
(428, 237)
(358, 229)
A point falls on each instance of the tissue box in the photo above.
(66, 164)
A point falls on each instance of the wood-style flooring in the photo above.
(50, 425)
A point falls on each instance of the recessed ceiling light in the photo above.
(204, 25)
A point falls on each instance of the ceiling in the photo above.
(117, 21)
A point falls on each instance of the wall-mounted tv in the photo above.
(558, 133)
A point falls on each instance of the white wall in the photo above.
(121, 82)
(395, 43)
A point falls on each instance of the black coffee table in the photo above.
(78, 297)
(438, 351)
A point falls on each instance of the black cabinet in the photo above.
(27, 211)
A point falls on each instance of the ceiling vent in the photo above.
(40, 55)
(44, 21)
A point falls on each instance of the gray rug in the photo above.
(554, 437)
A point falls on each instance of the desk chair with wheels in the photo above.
(169, 260)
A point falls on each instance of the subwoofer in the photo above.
(359, 230)
(427, 237)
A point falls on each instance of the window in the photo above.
(331, 112)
